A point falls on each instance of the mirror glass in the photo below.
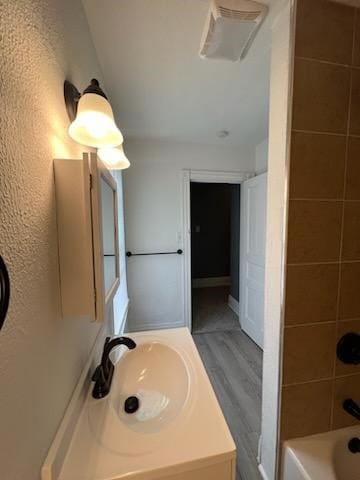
(108, 234)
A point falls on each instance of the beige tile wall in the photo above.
(323, 257)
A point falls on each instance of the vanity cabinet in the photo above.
(86, 200)
(219, 471)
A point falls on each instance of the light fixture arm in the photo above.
(72, 96)
(94, 87)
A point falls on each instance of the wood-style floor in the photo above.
(234, 365)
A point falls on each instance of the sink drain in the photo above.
(131, 404)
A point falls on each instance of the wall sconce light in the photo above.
(114, 158)
(91, 115)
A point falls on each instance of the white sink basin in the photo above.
(159, 376)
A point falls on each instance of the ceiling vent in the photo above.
(230, 28)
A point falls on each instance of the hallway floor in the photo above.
(234, 365)
(211, 311)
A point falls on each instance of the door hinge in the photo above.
(91, 181)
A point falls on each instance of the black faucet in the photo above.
(352, 408)
(104, 372)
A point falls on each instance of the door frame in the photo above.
(198, 176)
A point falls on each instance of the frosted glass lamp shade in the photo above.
(114, 158)
(94, 125)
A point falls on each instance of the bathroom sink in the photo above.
(158, 376)
(177, 431)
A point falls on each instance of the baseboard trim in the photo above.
(233, 304)
(262, 472)
(210, 282)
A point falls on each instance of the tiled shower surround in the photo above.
(323, 252)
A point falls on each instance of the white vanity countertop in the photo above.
(196, 438)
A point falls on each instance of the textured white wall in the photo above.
(41, 354)
(153, 220)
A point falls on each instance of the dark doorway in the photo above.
(215, 240)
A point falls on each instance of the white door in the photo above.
(252, 256)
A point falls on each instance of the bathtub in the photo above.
(321, 457)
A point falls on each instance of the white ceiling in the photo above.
(159, 86)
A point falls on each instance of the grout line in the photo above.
(347, 375)
(354, 319)
(317, 132)
(343, 222)
(353, 39)
(308, 264)
(299, 199)
(332, 406)
(325, 62)
(312, 199)
(316, 380)
(322, 322)
(324, 379)
(311, 324)
(345, 172)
